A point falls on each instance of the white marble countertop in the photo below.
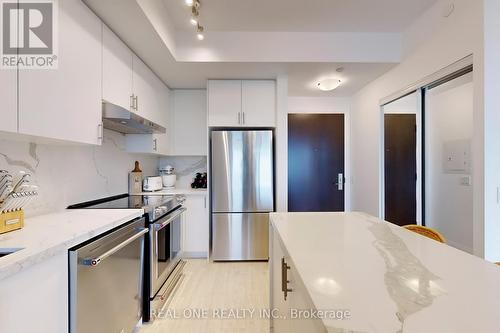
(174, 191)
(390, 279)
(48, 235)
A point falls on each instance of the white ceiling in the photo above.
(301, 15)
(302, 77)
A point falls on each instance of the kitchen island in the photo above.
(351, 272)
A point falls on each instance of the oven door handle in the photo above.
(92, 262)
(176, 214)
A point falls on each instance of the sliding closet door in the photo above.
(448, 177)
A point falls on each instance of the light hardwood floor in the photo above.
(232, 286)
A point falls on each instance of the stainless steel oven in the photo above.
(165, 250)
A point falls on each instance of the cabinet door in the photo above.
(8, 96)
(224, 103)
(189, 117)
(145, 85)
(196, 230)
(259, 103)
(65, 103)
(116, 70)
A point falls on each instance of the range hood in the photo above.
(121, 120)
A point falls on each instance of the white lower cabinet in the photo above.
(292, 318)
(36, 299)
(195, 227)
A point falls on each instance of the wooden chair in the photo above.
(427, 232)
(497, 263)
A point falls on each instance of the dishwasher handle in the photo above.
(92, 262)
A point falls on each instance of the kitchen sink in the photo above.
(6, 251)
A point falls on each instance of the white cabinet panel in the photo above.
(259, 103)
(224, 102)
(36, 299)
(116, 70)
(65, 103)
(155, 144)
(8, 96)
(145, 85)
(189, 122)
(196, 227)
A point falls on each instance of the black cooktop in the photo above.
(124, 201)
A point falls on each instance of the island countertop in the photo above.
(388, 278)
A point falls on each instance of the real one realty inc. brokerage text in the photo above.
(250, 313)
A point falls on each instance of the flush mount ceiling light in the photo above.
(328, 84)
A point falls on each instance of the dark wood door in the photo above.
(315, 159)
(400, 136)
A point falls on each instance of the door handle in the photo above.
(284, 278)
(132, 104)
(340, 182)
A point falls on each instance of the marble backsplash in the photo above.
(68, 174)
(186, 168)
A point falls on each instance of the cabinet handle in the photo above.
(136, 103)
(243, 117)
(155, 144)
(100, 134)
(239, 117)
(205, 200)
(132, 104)
(284, 278)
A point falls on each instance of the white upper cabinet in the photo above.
(258, 103)
(224, 102)
(65, 103)
(189, 122)
(145, 87)
(8, 95)
(247, 103)
(116, 70)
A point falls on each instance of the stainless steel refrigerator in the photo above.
(242, 192)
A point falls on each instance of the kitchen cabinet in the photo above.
(8, 95)
(36, 299)
(158, 100)
(224, 102)
(146, 86)
(188, 122)
(117, 87)
(196, 226)
(284, 274)
(242, 103)
(65, 103)
(258, 103)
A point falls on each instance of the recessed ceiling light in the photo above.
(189, 2)
(329, 84)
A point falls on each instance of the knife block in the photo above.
(11, 221)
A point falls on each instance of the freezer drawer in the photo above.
(242, 171)
(237, 237)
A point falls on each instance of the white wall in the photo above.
(306, 105)
(433, 42)
(449, 121)
(72, 174)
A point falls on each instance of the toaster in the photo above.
(151, 184)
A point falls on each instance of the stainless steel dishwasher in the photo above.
(106, 281)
